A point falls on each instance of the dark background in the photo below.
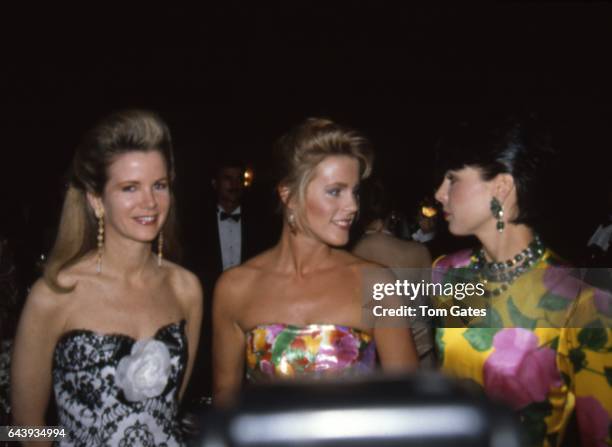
(233, 76)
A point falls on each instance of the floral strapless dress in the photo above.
(112, 390)
(315, 350)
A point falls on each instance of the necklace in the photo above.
(507, 271)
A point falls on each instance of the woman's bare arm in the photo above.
(394, 341)
(396, 349)
(191, 295)
(228, 342)
(40, 327)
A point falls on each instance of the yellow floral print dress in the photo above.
(545, 348)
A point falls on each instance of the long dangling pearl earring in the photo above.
(160, 248)
(100, 242)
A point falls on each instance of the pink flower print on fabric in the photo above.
(593, 421)
(455, 260)
(340, 350)
(561, 282)
(518, 372)
(368, 359)
(347, 350)
(267, 367)
(272, 331)
(603, 302)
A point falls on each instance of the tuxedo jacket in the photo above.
(203, 257)
(204, 247)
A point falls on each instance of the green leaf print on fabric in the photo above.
(608, 375)
(495, 319)
(480, 335)
(566, 379)
(481, 339)
(593, 336)
(440, 345)
(533, 420)
(554, 344)
(295, 355)
(282, 342)
(553, 302)
(519, 319)
(578, 359)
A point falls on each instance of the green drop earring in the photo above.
(498, 212)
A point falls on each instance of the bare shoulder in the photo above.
(77, 278)
(237, 279)
(370, 271)
(75, 275)
(247, 273)
(365, 270)
(417, 253)
(354, 261)
(43, 297)
(235, 286)
(414, 246)
(261, 261)
(185, 284)
(363, 245)
(48, 307)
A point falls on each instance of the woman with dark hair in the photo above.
(296, 309)
(113, 326)
(529, 351)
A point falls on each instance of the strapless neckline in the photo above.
(310, 326)
(162, 329)
(315, 350)
(94, 407)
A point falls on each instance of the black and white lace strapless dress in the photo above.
(112, 390)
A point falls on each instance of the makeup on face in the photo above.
(332, 199)
(136, 197)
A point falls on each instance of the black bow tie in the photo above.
(224, 216)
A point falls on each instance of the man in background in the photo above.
(223, 234)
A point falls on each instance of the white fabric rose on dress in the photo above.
(144, 373)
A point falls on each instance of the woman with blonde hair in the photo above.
(113, 326)
(296, 309)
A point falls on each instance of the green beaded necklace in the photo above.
(507, 272)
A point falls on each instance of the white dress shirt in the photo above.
(230, 238)
(422, 237)
(602, 237)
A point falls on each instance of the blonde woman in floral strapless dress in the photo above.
(296, 310)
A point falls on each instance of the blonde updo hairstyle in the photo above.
(301, 150)
(118, 134)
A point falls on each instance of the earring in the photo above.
(100, 242)
(498, 212)
(291, 222)
(160, 248)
